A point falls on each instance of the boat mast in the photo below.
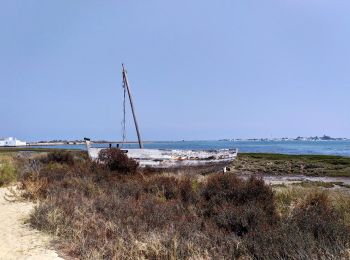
(126, 85)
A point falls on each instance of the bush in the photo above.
(8, 173)
(171, 188)
(318, 219)
(98, 214)
(313, 230)
(283, 241)
(116, 160)
(238, 205)
(60, 157)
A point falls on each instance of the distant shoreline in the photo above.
(283, 155)
(79, 143)
(283, 139)
(324, 147)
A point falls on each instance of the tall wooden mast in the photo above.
(126, 85)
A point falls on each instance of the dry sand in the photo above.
(19, 240)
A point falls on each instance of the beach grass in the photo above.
(288, 196)
(8, 170)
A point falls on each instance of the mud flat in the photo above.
(19, 240)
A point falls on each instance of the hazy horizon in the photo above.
(199, 70)
(178, 140)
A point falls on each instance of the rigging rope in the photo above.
(124, 114)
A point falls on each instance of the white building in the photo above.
(12, 142)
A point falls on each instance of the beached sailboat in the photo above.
(166, 158)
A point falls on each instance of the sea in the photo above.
(332, 147)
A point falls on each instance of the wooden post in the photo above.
(126, 84)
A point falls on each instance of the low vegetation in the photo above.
(63, 157)
(321, 184)
(280, 164)
(116, 161)
(113, 210)
(15, 161)
(8, 171)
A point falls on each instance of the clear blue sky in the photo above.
(199, 69)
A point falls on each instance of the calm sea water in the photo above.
(284, 147)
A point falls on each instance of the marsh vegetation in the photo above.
(282, 164)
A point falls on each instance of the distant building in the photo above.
(12, 142)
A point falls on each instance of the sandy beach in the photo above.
(17, 239)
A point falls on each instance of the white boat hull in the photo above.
(159, 158)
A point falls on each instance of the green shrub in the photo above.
(8, 173)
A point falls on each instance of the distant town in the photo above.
(299, 138)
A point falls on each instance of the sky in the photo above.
(198, 69)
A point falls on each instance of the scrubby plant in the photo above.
(318, 219)
(116, 160)
(314, 229)
(59, 156)
(237, 205)
(102, 211)
(8, 172)
(171, 188)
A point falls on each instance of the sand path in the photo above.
(18, 240)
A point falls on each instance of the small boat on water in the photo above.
(166, 158)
